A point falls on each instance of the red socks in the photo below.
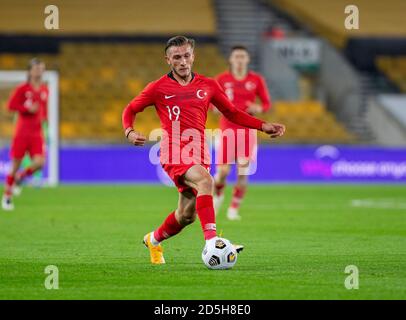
(205, 211)
(8, 190)
(238, 195)
(25, 173)
(219, 188)
(169, 228)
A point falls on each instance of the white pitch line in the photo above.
(292, 207)
(379, 203)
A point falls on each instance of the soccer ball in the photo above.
(219, 253)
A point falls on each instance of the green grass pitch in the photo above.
(298, 241)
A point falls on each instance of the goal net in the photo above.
(8, 81)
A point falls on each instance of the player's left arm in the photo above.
(220, 100)
(263, 94)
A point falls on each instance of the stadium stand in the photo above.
(309, 122)
(98, 80)
(99, 76)
(395, 69)
(379, 18)
(26, 17)
(95, 87)
(306, 122)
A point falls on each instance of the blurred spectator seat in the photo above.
(110, 17)
(395, 69)
(377, 18)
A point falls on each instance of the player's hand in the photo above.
(33, 107)
(273, 129)
(136, 138)
(254, 108)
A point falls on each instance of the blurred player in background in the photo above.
(242, 87)
(181, 99)
(30, 100)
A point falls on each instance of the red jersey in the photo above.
(242, 92)
(183, 112)
(25, 95)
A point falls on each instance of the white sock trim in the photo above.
(153, 240)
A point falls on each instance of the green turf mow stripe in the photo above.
(298, 240)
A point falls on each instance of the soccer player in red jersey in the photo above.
(30, 100)
(242, 87)
(181, 99)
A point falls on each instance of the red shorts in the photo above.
(176, 172)
(20, 145)
(243, 144)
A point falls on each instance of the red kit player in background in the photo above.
(181, 99)
(30, 100)
(242, 87)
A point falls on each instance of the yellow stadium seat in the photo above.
(395, 69)
(379, 19)
(95, 88)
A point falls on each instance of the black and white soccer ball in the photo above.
(219, 253)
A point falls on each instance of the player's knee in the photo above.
(205, 185)
(13, 172)
(242, 181)
(224, 171)
(39, 163)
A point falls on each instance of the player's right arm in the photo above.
(18, 103)
(138, 104)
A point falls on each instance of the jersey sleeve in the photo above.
(138, 104)
(263, 93)
(220, 100)
(218, 80)
(16, 101)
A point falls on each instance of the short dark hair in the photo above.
(178, 41)
(239, 47)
